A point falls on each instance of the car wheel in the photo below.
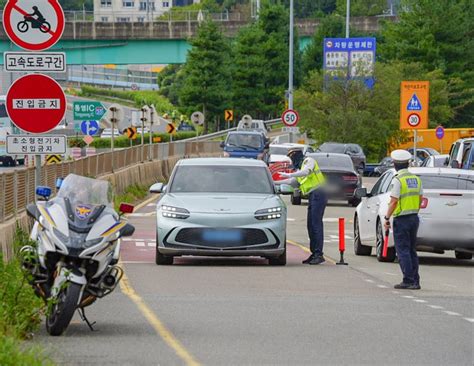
(359, 248)
(391, 254)
(161, 259)
(278, 261)
(295, 200)
(462, 255)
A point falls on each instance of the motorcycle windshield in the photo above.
(86, 191)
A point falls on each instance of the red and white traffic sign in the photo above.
(34, 25)
(290, 117)
(414, 119)
(36, 103)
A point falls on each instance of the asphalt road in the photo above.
(244, 312)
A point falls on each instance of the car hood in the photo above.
(228, 203)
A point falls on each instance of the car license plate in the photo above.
(221, 235)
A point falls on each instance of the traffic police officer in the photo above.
(310, 180)
(405, 201)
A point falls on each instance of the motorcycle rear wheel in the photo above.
(45, 27)
(63, 310)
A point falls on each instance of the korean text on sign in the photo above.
(36, 104)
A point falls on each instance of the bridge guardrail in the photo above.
(214, 135)
(18, 187)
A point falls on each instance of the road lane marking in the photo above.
(420, 301)
(451, 313)
(390, 274)
(471, 320)
(437, 307)
(151, 244)
(140, 244)
(369, 281)
(382, 286)
(290, 219)
(157, 324)
(306, 249)
(146, 202)
(408, 297)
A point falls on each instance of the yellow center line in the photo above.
(157, 324)
(306, 249)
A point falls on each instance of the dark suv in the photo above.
(353, 150)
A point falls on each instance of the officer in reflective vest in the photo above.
(310, 180)
(405, 201)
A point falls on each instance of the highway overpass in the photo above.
(161, 42)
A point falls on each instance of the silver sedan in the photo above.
(221, 207)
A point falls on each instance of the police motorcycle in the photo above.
(74, 261)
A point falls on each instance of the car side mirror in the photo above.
(222, 144)
(284, 189)
(157, 188)
(127, 230)
(455, 164)
(360, 192)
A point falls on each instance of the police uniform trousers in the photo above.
(316, 205)
(405, 228)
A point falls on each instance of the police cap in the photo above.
(400, 156)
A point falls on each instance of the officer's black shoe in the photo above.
(317, 260)
(307, 260)
(407, 286)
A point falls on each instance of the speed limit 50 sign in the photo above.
(290, 117)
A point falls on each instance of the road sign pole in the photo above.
(142, 135)
(415, 137)
(290, 68)
(37, 170)
(348, 16)
(150, 154)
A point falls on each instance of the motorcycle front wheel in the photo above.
(45, 27)
(63, 309)
(22, 26)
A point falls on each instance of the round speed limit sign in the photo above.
(290, 117)
(414, 119)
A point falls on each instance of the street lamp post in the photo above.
(291, 58)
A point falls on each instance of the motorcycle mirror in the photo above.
(126, 208)
(59, 182)
(44, 192)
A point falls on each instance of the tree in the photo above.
(362, 7)
(206, 75)
(439, 34)
(170, 81)
(248, 66)
(312, 8)
(346, 111)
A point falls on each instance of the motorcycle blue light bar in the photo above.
(43, 191)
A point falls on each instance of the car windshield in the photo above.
(332, 148)
(221, 179)
(82, 190)
(278, 150)
(327, 161)
(447, 182)
(245, 140)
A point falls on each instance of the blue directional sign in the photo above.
(414, 104)
(90, 127)
(350, 58)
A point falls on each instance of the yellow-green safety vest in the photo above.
(313, 180)
(409, 200)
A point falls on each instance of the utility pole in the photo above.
(348, 15)
(291, 61)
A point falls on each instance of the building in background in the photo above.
(134, 10)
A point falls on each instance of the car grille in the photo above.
(200, 237)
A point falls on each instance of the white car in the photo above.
(278, 152)
(254, 125)
(435, 161)
(457, 151)
(446, 215)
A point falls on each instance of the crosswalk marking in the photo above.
(140, 244)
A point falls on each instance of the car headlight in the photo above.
(174, 212)
(268, 213)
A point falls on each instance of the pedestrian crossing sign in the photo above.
(414, 104)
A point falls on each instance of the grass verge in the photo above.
(132, 194)
(20, 311)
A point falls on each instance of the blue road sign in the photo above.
(90, 127)
(440, 132)
(414, 104)
(351, 58)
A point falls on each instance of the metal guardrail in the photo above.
(222, 133)
(18, 187)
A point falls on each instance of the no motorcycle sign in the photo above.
(33, 25)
